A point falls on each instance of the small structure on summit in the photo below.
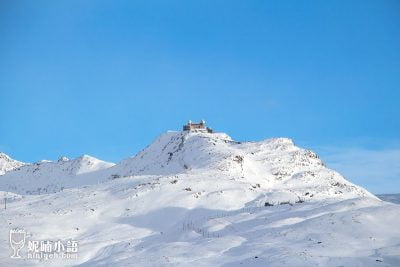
(197, 127)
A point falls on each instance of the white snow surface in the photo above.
(8, 164)
(47, 176)
(201, 199)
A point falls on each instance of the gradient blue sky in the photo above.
(106, 77)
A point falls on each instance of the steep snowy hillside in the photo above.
(275, 167)
(200, 199)
(48, 176)
(8, 164)
(273, 164)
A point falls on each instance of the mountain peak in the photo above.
(8, 164)
(4, 156)
(197, 127)
(276, 164)
(175, 152)
(50, 176)
(63, 158)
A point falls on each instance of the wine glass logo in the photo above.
(17, 241)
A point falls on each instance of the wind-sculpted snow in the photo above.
(200, 199)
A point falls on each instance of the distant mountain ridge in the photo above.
(394, 198)
(49, 176)
(274, 164)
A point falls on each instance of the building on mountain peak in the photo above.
(63, 158)
(197, 127)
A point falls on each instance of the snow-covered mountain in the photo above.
(201, 199)
(273, 164)
(394, 198)
(47, 176)
(8, 164)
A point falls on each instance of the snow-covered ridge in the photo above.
(177, 152)
(272, 165)
(48, 176)
(196, 198)
(8, 164)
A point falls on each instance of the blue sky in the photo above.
(106, 77)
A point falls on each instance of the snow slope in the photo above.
(48, 176)
(8, 164)
(199, 199)
(272, 164)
